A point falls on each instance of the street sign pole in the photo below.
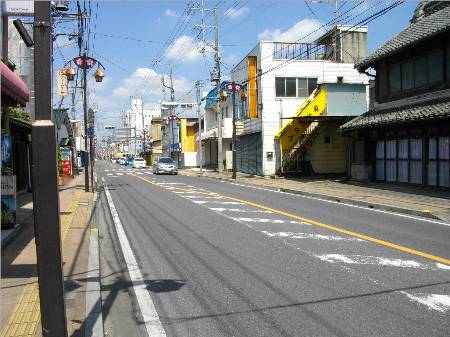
(45, 183)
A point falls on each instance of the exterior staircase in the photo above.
(294, 138)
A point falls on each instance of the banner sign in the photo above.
(8, 201)
(18, 8)
(6, 153)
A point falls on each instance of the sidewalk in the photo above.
(419, 201)
(20, 313)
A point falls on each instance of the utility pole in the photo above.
(233, 139)
(45, 183)
(199, 146)
(166, 134)
(217, 79)
(215, 75)
(143, 129)
(85, 115)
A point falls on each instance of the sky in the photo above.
(138, 41)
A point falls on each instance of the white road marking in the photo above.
(218, 202)
(150, 316)
(380, 261)
(106, 170)
(292, 235)
(200, 196)
(109, 174)
(129, 173)
(119, 174)
(261, 220)
(436, 302)
(343, 204)
(221, 209)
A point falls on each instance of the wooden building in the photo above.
(405, 137)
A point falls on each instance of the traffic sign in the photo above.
(91, 132)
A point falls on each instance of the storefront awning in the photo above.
(13, 86)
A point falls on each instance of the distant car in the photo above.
(165, 165)
(122, 161)
(128, 161)
(138, 162)
(114, 160)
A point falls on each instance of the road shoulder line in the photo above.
(150, 316)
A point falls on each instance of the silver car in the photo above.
(165, 165)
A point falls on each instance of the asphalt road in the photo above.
(187, 256)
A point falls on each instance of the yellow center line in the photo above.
(334, 228)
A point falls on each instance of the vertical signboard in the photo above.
(8, 201)
(62, 86)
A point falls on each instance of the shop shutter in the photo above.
(249, 154)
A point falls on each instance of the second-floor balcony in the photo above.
(227, 130)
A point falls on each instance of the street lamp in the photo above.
(85, 63)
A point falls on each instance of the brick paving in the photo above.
(20, 313)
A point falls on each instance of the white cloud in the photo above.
(185, 49)
(169, 12)
(234, 13)
(306, 30)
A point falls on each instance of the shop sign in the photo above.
(8, 200)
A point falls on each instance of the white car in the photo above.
(138, 162)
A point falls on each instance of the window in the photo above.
(408, 75)
(294, 87)
(312, 84)
(447, 61)
(280, 88)
(395, 83)
(420, 71)
(435, 66)
(415, 73)
(327, 140)
(302, 87)
(291, 87)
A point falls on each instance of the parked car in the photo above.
(165, 165)
(128, 161)
(138, 162)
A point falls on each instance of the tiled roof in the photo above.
(420, 30)
(430, 106)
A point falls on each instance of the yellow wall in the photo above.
(187, 137)
(328, 158)
(252, 99)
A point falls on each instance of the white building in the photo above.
(140, 118)
(278, 77)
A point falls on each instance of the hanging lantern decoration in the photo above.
(70, 73)
(99, 75)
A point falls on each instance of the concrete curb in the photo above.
(336, 199)
(11, 235)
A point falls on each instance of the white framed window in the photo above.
(298, 87)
